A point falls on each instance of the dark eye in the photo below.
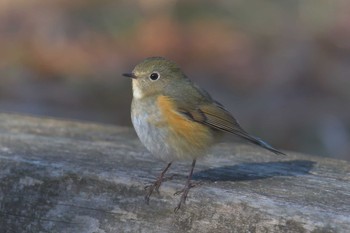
(154, 76)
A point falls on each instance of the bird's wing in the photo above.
(215, 116)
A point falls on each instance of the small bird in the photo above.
(177, 120)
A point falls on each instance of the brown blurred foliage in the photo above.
(282, 67)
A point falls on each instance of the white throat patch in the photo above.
(136, 90)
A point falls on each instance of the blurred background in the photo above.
(282, 67)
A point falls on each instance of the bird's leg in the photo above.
(186, 189)
(155, 186)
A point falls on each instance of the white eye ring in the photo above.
(154, 76)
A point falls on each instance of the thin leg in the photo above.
(186, 189)
(155, 186)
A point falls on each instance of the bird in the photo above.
(177, 120)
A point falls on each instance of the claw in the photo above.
(182, 190)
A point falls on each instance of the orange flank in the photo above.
(183, 132)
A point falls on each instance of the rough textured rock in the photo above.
(63, 176)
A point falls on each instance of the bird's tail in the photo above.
(259, 142)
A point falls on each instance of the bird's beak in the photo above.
(130, 75)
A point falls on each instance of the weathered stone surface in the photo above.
(62, 176)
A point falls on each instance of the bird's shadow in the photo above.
(255, 171)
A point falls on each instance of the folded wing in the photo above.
(215, 116)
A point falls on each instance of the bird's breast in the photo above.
(166, 133)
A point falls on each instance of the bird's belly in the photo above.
(170, 141)
(152, 137)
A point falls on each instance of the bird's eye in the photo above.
(154, 76)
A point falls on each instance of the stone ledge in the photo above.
(64, 176)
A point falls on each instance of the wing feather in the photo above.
(215, 116)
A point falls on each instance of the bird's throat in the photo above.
(136, 90)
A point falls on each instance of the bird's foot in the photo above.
(155, 186)
(184, 193)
